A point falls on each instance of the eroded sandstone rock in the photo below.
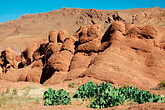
(79, 63)
(50, 49)
(58, 62)
(62, 35)
(53, 36)
(40, 51)
(7, 59)
(129, 57)
(27, 55)
(126, 53)
(69, 45)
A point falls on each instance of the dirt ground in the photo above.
(29, 97)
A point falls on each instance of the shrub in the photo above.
(106, 95)
(103, 96)
(14, 91)
(162, 84)
(86, 90)
(60, 97)
(140, 96)
(72, 84)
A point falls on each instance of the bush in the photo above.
(140, 96)
(106, 95)
(86, 90)
(103, 96)
(72, 84)
(162, 84)
(60, 97)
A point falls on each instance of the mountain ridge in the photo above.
(37, 26)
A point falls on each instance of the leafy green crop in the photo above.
(103, 96)
(140, 96)
(106, 95)
(56, 98)
(86, 90)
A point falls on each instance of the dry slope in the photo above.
(29, 28)
(125, 53)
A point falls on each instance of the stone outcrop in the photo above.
(50, 49)
(129, 57)
(53, 36)
(27, 55)
(69, 45)
(125, 53)
(88, 33)
(7, 60)
(29, 28)
(62, 35)
(40, 51)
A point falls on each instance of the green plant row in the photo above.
(106, 95)
(60, 97)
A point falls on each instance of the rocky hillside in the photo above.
(29, 28)
(76, 45)
(125, 53)
(120, 47)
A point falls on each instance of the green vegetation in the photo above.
(104, 95)
(11, 99)
(86, 90)
(60, 97)
(160, 86)
(72, 84)
(14, 91)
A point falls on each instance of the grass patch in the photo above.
(10, 99)
(28, 87)
(15, 91)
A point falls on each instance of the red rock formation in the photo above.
(40, 51)
(20, 33)
(62, 35)
(53, 36)
(126, 53)
(27, 55)
(132, 57)
(50, 49)
(7, 59)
